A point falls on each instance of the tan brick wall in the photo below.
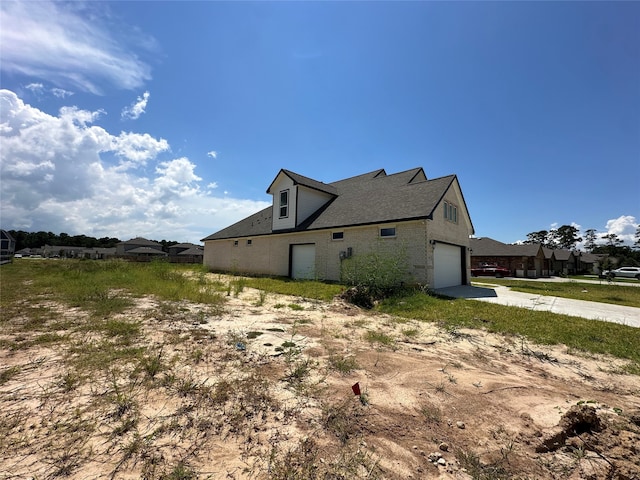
(269, 255)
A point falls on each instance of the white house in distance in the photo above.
(312, 227)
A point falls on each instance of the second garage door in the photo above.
(303, 261)
(447, 265)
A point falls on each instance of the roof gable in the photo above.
(298, 179)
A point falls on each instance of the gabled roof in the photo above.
(562, 254)
(185, 245)
(370, 198)
(488, 247)
(195, 250)
(140, 241)
(305, 181)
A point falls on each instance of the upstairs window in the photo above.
(388, 232)
(450, 212)
(284, 203)
(337, 235)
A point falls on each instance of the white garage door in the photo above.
(303, 261)
(447, 266)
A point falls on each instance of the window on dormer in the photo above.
(284, 203)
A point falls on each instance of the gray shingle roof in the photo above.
(140, 241)
(371, 198)
(488, 247)
(307, 182)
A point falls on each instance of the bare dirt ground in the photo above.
(263, 389)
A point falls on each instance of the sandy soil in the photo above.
(264, 389)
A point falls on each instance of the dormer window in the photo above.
(284, 203)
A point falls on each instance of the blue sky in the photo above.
(169, 120)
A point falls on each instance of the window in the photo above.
(450, 212)
(235, 243)
(388, 232)
(249, 242)
(284, 203)
(337, 235)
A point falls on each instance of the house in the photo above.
(99, 253)
(559, 261)
(312, 227)
(186, 253)
(526, 260)
(7, 247)
(140, 249)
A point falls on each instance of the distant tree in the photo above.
(636, 244)
(567, 236)
(537, 237)
(590, 240)
(612, 240)
(553, 239)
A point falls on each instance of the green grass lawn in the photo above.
(590, 336)
(605, 293)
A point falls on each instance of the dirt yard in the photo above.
(265, 389)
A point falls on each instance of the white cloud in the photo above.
(69, 44)
(137, 108)
(61, 93)
(624, 227)
(65, 174)
(35, 87)
(213, 154)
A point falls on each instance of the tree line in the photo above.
(40, 239)
(567, 237)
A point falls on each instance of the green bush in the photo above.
(375, 275)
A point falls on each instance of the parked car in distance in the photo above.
(490, 269)
(626, 272)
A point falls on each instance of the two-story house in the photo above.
(311, 227)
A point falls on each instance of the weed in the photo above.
(378, 337)
(8, 373)
(342, 420)
(238, 285)
(431, 413)
(480, 471)
(152, 364)
(343, 364)
(181, 471)
(262, 297)
(296, 306)
(197, 355)
(69, 381)
(411, 332)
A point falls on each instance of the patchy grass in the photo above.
(303, 288)
(592, 292)
(547, 328)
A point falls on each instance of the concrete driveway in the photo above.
(578, 308)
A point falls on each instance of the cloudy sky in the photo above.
(169, 120)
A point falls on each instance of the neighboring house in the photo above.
(590, 262)
(559, 262)
(533, 260)
(98, 253)
(186, 253)
(7, 247)
(526, 260)
(140, 248)
(62, 251)
(312, 227)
